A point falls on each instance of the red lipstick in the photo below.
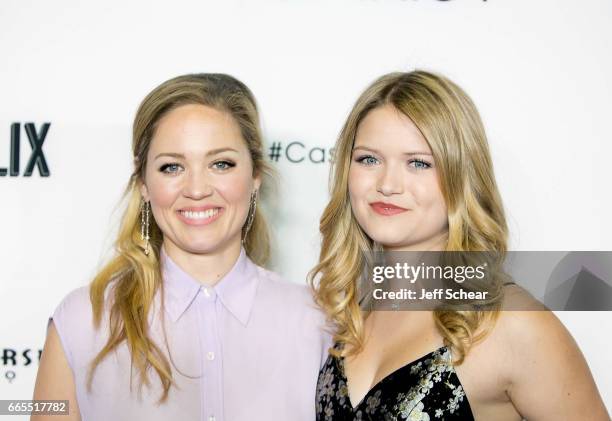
(387, 209)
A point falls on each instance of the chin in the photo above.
(388, 237)
(389, 241)
(200, 247)
(392, 245)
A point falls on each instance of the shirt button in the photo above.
(210, 356)
(206, 292)
(211, 418)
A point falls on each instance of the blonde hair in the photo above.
(132, 278)
(450, 123)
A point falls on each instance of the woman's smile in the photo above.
(202, 215)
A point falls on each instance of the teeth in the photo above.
(200, 215)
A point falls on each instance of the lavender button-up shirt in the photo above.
(249, 348)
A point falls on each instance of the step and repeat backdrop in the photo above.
(73, 74)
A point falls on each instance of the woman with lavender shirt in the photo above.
(184, 323)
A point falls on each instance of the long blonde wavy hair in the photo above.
(131, 278)
(450, 123)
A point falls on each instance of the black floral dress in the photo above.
(423, 390)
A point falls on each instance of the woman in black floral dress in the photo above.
(435, 386)
(412, 172)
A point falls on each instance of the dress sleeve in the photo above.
(326, 341)
(68, 317)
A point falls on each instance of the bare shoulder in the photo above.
(528, 327)
(548, 375)
(521, 318)
(517, 298)
(530, 331)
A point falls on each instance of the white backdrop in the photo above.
(538, 72)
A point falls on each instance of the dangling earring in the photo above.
(144, 224)
(251, 216)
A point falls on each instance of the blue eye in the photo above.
(223, 165)
(170, 168)
(419, 164)
(367, 160)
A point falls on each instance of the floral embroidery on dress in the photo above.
(423, 390)
(373, 402)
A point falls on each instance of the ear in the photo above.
(143, 190)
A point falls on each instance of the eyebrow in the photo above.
(365, 148)
(209, 153)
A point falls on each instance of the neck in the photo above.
(207, 268)
(415, 254)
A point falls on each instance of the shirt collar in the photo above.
(236, 290)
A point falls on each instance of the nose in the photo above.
(198, 185)
(390, 181)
